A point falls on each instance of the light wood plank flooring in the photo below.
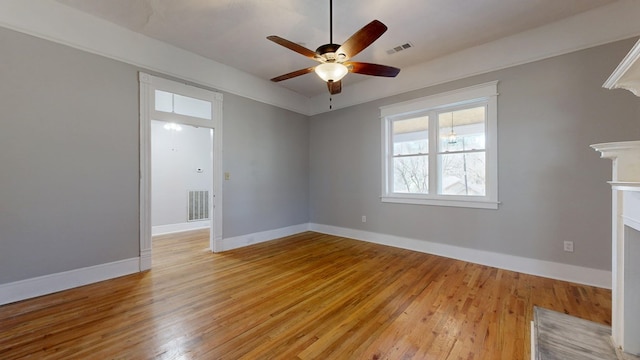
(308, 296)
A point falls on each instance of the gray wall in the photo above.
(69, 162)
(69, 157)
(266, 153)
(551, 184)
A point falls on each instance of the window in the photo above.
(442, 149)
(183, 105)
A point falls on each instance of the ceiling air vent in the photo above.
(399, 48)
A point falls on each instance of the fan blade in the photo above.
(361, 39)
(293, 46)
(371, 69)
(293, 74)
(335, 87)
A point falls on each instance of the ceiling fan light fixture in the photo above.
(331, 71)
(332, 57)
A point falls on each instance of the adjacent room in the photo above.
(319, 179)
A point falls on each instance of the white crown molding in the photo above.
(56, 22)
(592, 28)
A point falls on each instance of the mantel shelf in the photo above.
(625, 185)
(627, 74)
(625, 156)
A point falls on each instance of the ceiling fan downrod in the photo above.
(328, 51)
(330, 21)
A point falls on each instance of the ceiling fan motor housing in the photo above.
(328, 52)
(333, 57)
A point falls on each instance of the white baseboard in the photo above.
(548, 269)
(180, 227)
(47, 284)
(255, 238)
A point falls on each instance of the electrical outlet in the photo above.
(364, 218)
(227, 176)
(568, 246)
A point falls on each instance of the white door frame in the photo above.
(148, 85)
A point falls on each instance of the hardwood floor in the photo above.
(308, 296)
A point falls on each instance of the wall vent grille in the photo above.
(198, 205)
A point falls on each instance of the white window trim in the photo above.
(487, 92)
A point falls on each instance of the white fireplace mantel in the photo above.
(626, 161)
(625, 184)
(625, 229)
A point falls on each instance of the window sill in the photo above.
(476, 204)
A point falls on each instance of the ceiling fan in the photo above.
(334, 58)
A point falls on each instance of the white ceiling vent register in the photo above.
(399, 48)
(198, 205)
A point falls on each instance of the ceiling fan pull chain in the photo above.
(330, 106)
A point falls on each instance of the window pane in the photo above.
(462, 174)
(411, 136)
(189, 106)
(411, 174)
(164, 101)
(462, 130)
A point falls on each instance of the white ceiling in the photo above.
(233, 32)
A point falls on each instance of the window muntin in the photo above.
(182, 105)
(441, 150)
(164, 101)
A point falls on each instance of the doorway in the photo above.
(177, 107)
(181, 177)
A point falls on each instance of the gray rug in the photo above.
(563, 337)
